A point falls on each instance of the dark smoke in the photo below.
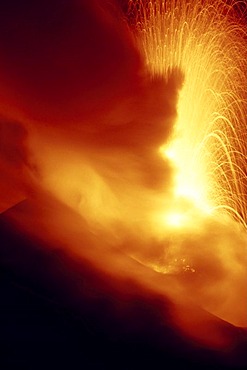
(72, 75)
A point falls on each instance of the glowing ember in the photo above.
(207, 41)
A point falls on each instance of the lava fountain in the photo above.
(207, 41)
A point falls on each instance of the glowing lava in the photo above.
(207, 41)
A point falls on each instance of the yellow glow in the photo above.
(206, 40)
(175, 219)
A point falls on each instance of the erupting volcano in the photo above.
(123, 155)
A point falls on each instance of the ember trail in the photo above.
(206, 41)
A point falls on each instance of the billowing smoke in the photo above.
(74, 78)
(82, 123)
(87, 103)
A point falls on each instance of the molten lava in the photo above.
(206, 41)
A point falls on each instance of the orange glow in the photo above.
(206, 40)
(150, 186)
(173, 227)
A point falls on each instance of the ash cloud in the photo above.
(74, 78)
(62, 61)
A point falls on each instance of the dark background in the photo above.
(58, 313)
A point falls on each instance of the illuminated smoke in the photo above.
(207, 41)
(135, 187)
